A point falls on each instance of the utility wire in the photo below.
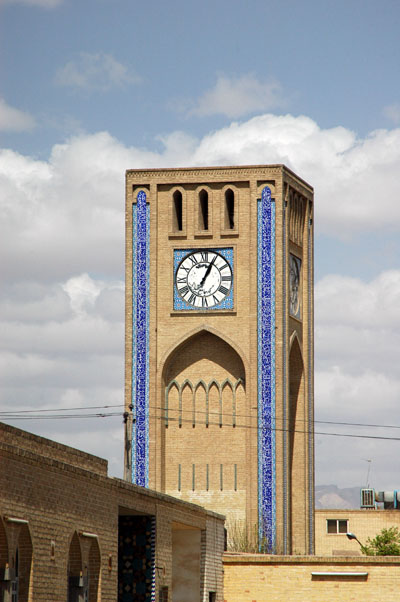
(237, 426)
(13, 413)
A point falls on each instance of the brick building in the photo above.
(219, 344)
(69, 532)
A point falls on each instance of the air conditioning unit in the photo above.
(390, 499)
(367, 498)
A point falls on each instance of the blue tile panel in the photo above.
(179, 303)
(140, 340)
(310, 397)
(266, 371)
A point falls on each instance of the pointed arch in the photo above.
(168, 394)
(228, 402)
(186, 402)
(75, 564)
(185, 340)
(94, 571)
(3, 545)
(24, 553)
(296, 441)
(200, 403)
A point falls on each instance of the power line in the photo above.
(14, 413)
(170, 419)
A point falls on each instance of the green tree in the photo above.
(386, 543)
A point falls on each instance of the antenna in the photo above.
(368, 471)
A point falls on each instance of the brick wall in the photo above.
(62, 502)
(256, 578)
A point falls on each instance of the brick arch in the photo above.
(94, 562)
(25, 551)
(75, 564)
(296, 442)
(204, 343)
(204, 460)
(3, 546)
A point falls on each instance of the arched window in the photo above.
(229, 209)
(177, 211)
(203, 210)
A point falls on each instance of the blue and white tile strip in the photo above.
(140, 340)
(266, 370)
(284, 388)
(153, 558)
(310, 395)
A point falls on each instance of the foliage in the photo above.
(386, 543)
(242, 539)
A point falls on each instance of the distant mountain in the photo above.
(331, 496)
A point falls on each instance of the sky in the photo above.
(91, 88)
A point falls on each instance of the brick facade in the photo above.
(60, 511)
(256, 578)
(229, 420)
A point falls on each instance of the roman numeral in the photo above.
(191, 299)
(204, 255)
(204, 302)
(193, 259)
(223, 290)
(181, 280)
(227, 278)
(216, 300)
(183, 291)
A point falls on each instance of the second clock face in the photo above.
(203, 279)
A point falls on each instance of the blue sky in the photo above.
(91, 88)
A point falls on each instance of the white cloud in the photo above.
(14, 120)
(357, 339)
(39, 3)
(62, 294)
(236, 97)
(392, 112)
(94, 72)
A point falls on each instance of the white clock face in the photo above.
(203, 279)
(294, 283)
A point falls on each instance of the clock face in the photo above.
(294, 284)
(203, 279)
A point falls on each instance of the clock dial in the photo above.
(294, 284)
(203, 279)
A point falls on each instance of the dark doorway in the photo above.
(136, 570)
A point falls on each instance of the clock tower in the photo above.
(219, 345)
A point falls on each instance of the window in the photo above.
(229, 210)
(203, 210)
(177, 211)
(334, 525)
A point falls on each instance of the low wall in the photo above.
(261, 578)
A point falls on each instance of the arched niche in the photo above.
(3, 546)
(24, 564)
(204, 355)
(296, 442)
(94, 571)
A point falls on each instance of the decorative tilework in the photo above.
(266, 371)
(179, 303)
(310, 398)
(284, 392)
(140, 342)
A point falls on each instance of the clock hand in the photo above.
(208, 270)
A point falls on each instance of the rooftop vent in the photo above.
(367, 498)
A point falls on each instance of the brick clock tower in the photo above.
(219, 345)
